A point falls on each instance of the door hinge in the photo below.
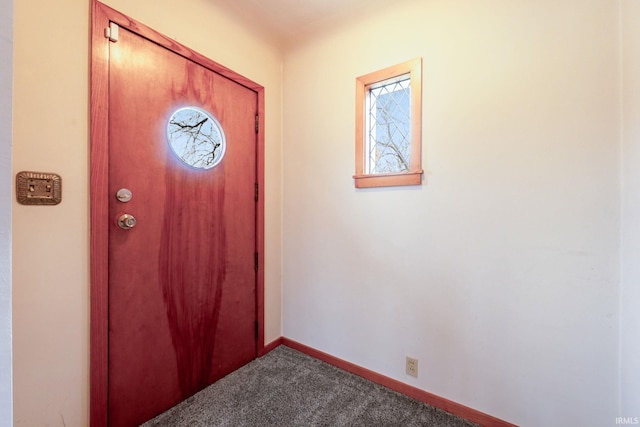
(256, 194)
(111, 32)
(257, 123)
(257, 329)
(255, 261)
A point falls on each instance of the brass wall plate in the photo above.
(38, 188)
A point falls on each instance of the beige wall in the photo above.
(6, 82)
(501, 272)
(50, 244)
(630, 295)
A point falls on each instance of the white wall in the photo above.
(630, 295)
(51, 128)
(6, 89)
(500, 274)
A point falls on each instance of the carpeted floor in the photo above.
(288, 388)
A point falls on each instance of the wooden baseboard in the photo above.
(272, 345)
(413, 392)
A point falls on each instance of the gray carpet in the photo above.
(288, 388)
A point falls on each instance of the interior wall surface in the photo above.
(6, 90)
(51, 134)
(500, 273)
(630, 295)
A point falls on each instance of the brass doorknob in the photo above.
(126, 221)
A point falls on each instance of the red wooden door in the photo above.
(182, 281)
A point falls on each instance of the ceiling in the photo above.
(286, 20)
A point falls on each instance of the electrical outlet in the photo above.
(412, 366)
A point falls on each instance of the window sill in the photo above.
(388, 180)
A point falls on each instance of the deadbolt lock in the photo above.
(126, 221)
(124, 195)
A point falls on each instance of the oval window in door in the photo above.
(196, 138)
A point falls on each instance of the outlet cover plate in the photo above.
(38, 188)
(412, 367)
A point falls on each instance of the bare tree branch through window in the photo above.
(196, 138)
(389, 121)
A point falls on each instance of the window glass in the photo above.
(389, 126)
(196, 138)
